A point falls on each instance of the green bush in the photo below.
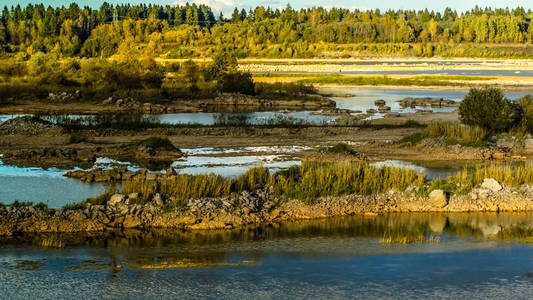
(340, 148)
(526, 104)
(237, 82)
(489, 109)
(156, 142)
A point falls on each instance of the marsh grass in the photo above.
(452, 132)
(510, 174)
(315, 179)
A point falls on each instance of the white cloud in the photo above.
(224, 6)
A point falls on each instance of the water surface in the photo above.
(459, 256)
(47, 185)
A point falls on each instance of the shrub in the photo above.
(237, 82)
(77, 138)
(526, 104)
(340, 148)
(489, 109)
(156, 142)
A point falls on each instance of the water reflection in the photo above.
(332, 258)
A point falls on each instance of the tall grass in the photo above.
(452, 132)
(310, 180)
(510, 174)
(318, 178)
(180, 188)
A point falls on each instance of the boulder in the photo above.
(380, 102)
(383, 109)
(491, 185)
(438, 198)
(498, 155)
(158, 200)
(133, 196)
(85, 155)
(116, 199)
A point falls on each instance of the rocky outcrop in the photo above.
(89, 152)
(129, 103)
(123, 211)
(29, 125)
(427, 102)
(64, 96)
(437, 147)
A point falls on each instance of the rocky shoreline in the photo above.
(120, 211)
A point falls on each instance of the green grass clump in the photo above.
(315, 179)
(339, 148)
(180, 187)
(452, 132)
(512, 175)
(414, 138)
(156, 142)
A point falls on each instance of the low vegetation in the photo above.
(386, 80)
(156, 142)
(131, 75)
(452, 133)
(489, 109)
(306, 182)
(483, 112)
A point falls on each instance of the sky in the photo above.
(226, 6)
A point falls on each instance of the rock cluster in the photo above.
(29, 125)
(64, 96)
(117, 174)
(132, 104)
(427, 102)
(334, 112)
(438, 147)
(85, 155)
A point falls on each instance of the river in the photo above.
(454, 256)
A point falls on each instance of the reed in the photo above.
(510, 174)
(180, 188)
(321, 178)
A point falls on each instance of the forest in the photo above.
(195, 31)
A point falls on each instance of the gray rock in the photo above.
(439, 198)
(491, 185)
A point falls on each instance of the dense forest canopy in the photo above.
(194, 30)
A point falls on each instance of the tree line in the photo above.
(193, 30)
